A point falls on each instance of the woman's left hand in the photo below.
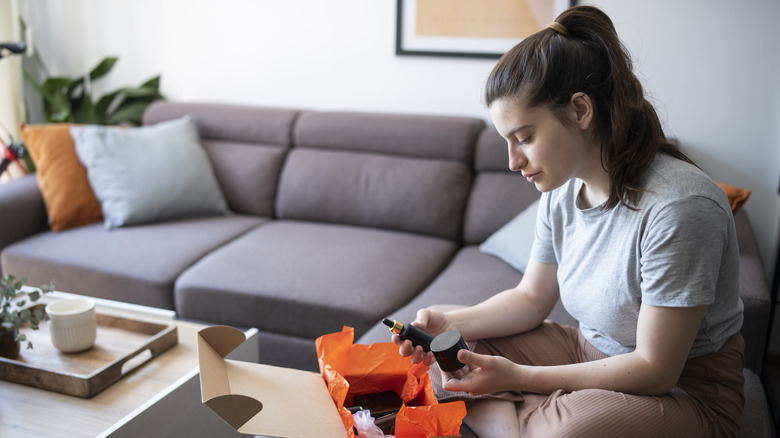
(484, 374)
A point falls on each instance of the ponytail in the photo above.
(581, 52)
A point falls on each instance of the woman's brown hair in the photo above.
(550, 66)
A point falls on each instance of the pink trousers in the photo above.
(707, 401)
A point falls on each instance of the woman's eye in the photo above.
(522, 141)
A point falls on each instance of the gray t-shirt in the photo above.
(679, 249)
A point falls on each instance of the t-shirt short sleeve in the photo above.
(682, 248)
(543, 250)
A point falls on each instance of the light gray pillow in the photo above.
(512, 242)
(151, 173)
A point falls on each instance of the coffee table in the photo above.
(159, 398)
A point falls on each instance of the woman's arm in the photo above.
(512, 311)
(664, 339)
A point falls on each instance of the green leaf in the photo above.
(152, 83)
(105, 102)
(34, 296)
(57, 84)
(139, 92)
(87, 112)
(63, 116)
(59, 109)
(48, 288)
(132, 113)
(75, 90)
(103, 67)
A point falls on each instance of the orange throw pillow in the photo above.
(62, 178)
(737, 196)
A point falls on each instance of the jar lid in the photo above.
(445, 348)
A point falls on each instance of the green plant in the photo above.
(67, 99)
(14, 310)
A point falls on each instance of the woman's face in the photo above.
(547, 151)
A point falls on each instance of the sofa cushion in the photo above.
(512, 243)
(148, 174)
(307, 279)
(135, 264)
(754, 293)
(22, 210)
(450, 138)
(248, 174)
(495, 198)
(757, 416)
(246, 145)
(497, 194)
(408, 194)
(239, 123)
(491, 153)
(70, 201)
(470, 278)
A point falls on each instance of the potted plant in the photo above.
(15, 313)
(67, 99)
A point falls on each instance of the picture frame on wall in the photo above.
(470, 28)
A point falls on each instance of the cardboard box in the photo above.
(257, 399)
(260, 399)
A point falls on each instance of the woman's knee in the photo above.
(600, 413)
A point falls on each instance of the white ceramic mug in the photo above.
(73, 325)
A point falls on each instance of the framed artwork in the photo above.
(470, 28)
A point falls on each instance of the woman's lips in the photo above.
(531, 177)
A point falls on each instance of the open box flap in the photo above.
(235, 409)
(222, 339)
(261, 399)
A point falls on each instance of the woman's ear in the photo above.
(583, 110)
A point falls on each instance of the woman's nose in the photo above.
(516, 159)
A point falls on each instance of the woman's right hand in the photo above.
(432, 321)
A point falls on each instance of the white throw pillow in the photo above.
(512, 242)
(150, 173)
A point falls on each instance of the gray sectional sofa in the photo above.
(339, 219)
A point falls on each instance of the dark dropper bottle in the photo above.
(410, 332)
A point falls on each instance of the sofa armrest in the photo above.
(754, 292)
(22, 211)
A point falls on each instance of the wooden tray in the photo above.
(122, 345)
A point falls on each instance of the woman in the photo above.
(636, 241)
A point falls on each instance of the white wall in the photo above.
(11, 103)
(711, 67)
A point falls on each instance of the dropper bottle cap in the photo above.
(395, 326)
(410, 332)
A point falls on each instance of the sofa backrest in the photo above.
(497, 194)
(246, 144)
(441, 176)
(401, 172)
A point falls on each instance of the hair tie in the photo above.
(558, 27)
